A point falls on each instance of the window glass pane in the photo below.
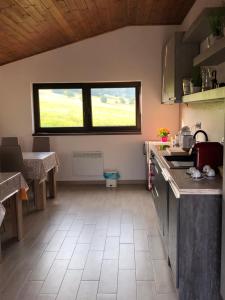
(61, 108)
(113, 106)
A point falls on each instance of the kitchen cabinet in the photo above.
(173, 234)
(199, 247)
(222, 288)
(190, 226)
(194, 246)
(160, 197)
(223, 256)
(177, 58)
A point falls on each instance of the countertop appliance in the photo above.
(208, 153)
(186, 139)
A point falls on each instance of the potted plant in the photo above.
(163, 133)
(216, 23)
(196, 80)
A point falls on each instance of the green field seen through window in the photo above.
(110, 107)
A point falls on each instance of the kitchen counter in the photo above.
(185, 209)
(182, 181)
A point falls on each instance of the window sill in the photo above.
(87, 133)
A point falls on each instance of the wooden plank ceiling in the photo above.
(28, 27)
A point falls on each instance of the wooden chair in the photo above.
(10, 141)
(11, 160)
(41, 144)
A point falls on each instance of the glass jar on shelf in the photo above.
(206, 73)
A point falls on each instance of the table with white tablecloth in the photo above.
(40, 166)
(11, 184)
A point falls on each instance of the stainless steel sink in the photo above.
(179, 162)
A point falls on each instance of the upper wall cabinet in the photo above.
(177, 58)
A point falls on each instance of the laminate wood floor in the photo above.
(90, 243)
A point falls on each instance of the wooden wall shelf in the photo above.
(200, 29)
(206, 96)
(213, 55)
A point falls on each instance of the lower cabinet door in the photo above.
(160, 196)
(173, 234)
(222, 286)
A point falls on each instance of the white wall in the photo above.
(211, 116)
(132, 53)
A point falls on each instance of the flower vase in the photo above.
(164, 139)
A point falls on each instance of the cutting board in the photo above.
(176, 151)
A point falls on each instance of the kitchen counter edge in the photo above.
(182, 183)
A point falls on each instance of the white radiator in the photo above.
(88, 164)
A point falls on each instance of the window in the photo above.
(88, 108)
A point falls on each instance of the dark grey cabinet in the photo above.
(223, 238)
(223, 253)
(173, 235)
(160, 196)
(190, 226)
(194, 245)
(177, 62)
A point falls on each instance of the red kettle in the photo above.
(207, 153)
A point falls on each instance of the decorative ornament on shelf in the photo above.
(196, 80)
(216, 23)
(163, 133)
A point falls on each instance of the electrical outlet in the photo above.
(198, 125)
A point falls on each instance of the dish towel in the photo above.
(2, 213)
(23, 194)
